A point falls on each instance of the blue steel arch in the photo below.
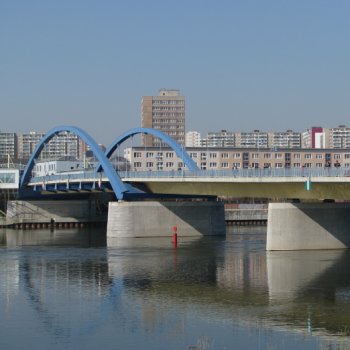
(191, 165)
(117, 184)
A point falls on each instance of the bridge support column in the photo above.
(156, 219)
(301, 226)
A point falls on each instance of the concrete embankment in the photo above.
(246, 214)
(43, 214)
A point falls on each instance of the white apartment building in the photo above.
(221, 139)
(337, 137)
(193, 139)
(288, 139)
(27, 143)
(8, 145)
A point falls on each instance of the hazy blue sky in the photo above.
(242, 65)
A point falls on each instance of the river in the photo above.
(76, 289)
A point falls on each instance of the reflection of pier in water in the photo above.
(300, 290)
(235, 280)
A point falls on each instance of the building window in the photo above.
(203, 156)
(319, 165)
(137, 164)
(224, 165)
(236, 165)
(149, 165)
(169, 164)
(245, 156)
(156, 102)
(278, 155)
(297, 156)
(346, 155)
(337, 156)
(267, 156)
(225, 156)
(287, 157)
(193, 155)
(149, 154)
(328, 157)
(137, 154)
(180, 102)
(255, 155)
(347, 165)
(164, 102)
(213, 155)
(307, 156)
(278, 165)
(213, 165)
(319, 156)
(307, 165)
(296, 165)
(267, 165)
(236, 155)
(156, 127)
(169, 155)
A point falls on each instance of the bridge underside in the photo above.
(82, 190)
(296, 189)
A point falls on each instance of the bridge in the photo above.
(288, 224)
(322, 183)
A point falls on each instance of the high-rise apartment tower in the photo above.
(165, 112)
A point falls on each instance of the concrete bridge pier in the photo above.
(302, 226)
(157, 218)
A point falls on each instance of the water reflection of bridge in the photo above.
(235, 280)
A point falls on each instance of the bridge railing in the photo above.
(92, 176)
(229, 173)
(12, 166)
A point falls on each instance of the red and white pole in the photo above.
(175, 236)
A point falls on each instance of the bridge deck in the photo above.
(325, 183)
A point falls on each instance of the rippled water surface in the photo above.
(75, 289)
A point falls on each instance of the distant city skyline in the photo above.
(272, 66)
